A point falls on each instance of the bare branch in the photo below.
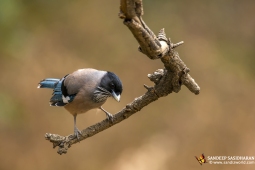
(166, 80)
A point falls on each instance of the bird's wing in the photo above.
(87, 79)
(60, 97)
(73, 83)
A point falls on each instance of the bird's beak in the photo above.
(115, 96)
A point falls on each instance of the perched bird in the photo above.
(83, 90)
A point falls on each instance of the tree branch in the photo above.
(166, 80)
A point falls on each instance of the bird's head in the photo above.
(112, 84)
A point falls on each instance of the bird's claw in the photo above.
(109, 115)
(110, 118)
(77, 133)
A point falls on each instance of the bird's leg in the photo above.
(108, 115)
(76, 130)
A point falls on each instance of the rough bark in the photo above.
(167, 80)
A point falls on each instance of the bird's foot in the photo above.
(109, 117)
(77, 132)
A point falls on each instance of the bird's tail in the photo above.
(48, 83)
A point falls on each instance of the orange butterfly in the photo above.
(201, 159)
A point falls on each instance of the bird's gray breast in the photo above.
(100, 95)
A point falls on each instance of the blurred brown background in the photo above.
(40, 39)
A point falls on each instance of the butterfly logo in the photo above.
(201, 159)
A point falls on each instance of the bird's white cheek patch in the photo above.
(65, 99)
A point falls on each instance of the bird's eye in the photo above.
(112, 85)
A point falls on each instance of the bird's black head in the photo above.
(112, 84)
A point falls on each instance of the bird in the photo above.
(83, 90)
